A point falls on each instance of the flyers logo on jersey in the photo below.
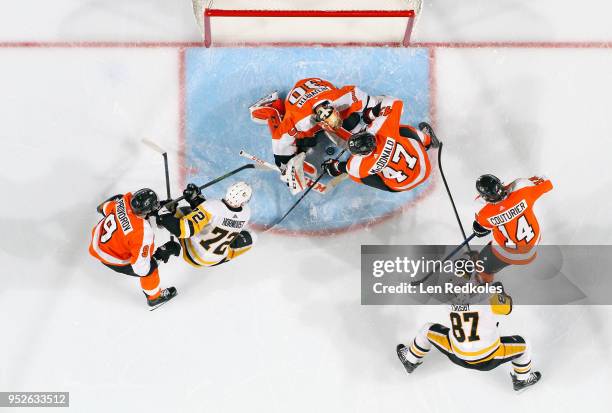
(509, 215)
(145, 251)
(385, 155)
(122, 216)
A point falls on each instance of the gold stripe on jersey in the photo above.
(193, 222)
(236, 252)
(484, 351)
(439, 339)
(186, 256)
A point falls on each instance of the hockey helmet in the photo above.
(490, 188)
(362, 143)
(144, 202)
(238, 194)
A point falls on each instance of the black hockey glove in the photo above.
(333, 167)
(193, 195)
(479, 230)
(164, 252)
(169, 205)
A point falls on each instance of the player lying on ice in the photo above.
(214, 231)
(315, 107)
(123, 241)
(473, 340)
(507, 211)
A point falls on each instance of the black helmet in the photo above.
(362, 143)
(144, 201)
(490, 188)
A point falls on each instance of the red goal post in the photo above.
(405, 10)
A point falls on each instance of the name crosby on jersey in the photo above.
(508, 215)
(384, 157)
(232, 223)
(126, 226)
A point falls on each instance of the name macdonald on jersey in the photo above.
(232, 223)
(126, 225)
(385, 155)
(508, 215)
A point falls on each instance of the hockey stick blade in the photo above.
(153, 146)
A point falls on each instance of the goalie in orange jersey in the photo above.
(123, 241)
(394, 159)
(508, 213)
(314, 107)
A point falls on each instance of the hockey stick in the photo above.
(448, 257)
(305, 192)
(265, 165)
(164, 154)
(214, 181)
(450, 196)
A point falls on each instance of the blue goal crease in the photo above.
(222, 83)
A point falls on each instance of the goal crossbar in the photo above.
(211, 12)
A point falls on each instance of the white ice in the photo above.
(281, 329)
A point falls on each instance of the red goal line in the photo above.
(208, 13)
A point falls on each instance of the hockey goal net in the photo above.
(286, 22)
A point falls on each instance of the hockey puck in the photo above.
(330, 150)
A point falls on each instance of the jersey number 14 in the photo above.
(524, 232)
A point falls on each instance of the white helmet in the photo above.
(238, 194)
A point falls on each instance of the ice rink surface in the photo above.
(281, 328)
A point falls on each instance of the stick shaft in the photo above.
(296, 203)
(450, 196)
(448, 257)
(216, 180)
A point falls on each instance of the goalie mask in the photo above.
(238, 194)
(327, 116)
(362, 143)
(490, 188)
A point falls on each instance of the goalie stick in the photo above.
(318, 187)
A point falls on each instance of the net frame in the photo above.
(205, 15)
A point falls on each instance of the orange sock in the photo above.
(150, 285)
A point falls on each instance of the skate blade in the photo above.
(162, 303)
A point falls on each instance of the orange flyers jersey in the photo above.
(516, 230)
(400, 162)
(123, 238)
(299, 120)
